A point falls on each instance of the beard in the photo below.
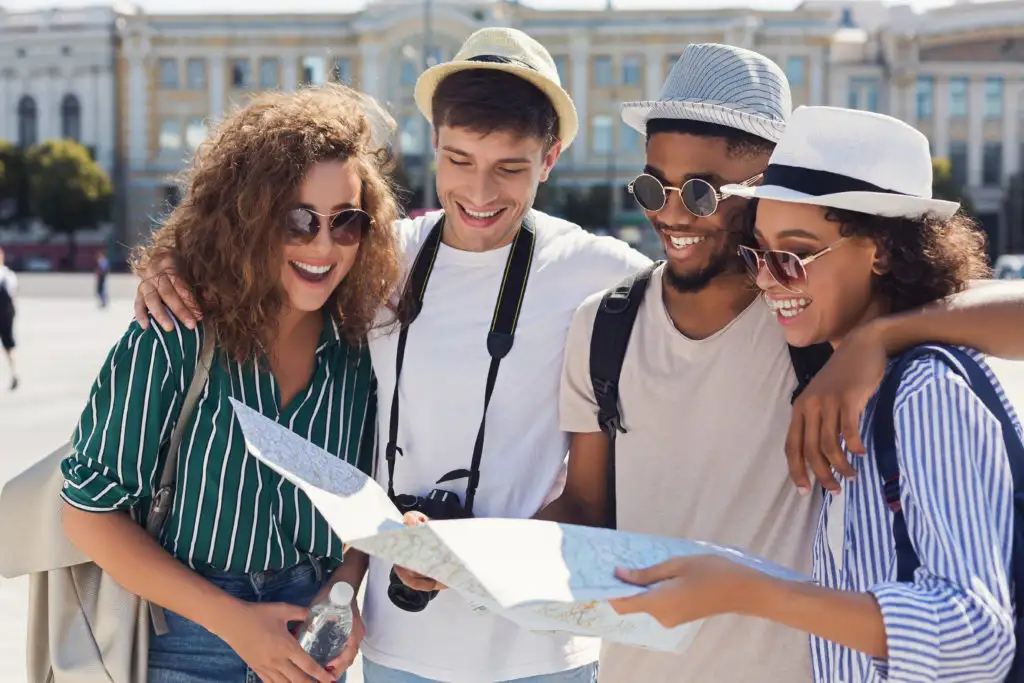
(723, 261)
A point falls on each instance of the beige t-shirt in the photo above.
(703, 459)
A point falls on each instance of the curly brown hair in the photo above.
(925, 259)
(224, 238)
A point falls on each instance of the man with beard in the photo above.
(706, 378)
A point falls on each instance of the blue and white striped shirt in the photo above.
(955, 622)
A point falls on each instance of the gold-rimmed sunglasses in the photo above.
(787, 269)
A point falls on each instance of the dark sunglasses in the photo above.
(347, 226)
(698, 196)
(787, 269)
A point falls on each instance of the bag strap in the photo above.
(613, 326)
(164, 496)
(500, 339)
(807, 362)
(884, 441)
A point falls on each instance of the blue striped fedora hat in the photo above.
(720, 84)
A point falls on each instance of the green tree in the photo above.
(945, 186)
(68, 191)
(13, 183)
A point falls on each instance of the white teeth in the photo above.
(788, 308)
(477, 214)
(680, 242)
(314, 270)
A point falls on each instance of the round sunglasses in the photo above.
(347, 226)
(698, 195)
(787, 269)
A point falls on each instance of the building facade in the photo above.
(956, 73)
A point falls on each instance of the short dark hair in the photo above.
(738, 142)
(926, 259)
(487, 101)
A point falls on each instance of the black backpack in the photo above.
(609, 340)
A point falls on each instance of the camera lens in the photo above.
(405, 598)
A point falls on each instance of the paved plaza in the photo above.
(63, 339)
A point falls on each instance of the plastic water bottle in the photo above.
(328, 625)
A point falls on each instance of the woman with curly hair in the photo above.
(912, 556)
(284, 234)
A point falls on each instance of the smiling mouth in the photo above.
(789, 308)
(480, 218)
(309, 272)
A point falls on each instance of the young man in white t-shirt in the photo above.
(707, 378)
(501, 120)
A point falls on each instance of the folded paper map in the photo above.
(541, 575)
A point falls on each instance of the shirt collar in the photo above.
(331, 333)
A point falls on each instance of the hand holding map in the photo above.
(541, 575)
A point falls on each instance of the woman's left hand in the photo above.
(688, 589)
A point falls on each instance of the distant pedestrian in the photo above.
(102, 268)
(8, 291)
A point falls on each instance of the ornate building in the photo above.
(957, 73)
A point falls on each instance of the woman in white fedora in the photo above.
(912, 558)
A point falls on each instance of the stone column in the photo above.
(369, 59)
(1013, 109)
(216, 86)
(106, 124)
(289, 72)
(940, 118)
(817, 90)
(579, 51)
(975, 130)
(654, 72)
(138, 110)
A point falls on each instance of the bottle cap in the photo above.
(341, 593)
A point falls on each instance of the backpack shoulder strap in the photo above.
(807, 362)
(609, 340)
(883, 436)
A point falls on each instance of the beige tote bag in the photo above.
(82, 626)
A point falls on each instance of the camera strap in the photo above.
(499, 338)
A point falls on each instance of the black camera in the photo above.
(438, 504)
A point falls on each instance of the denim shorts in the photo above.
(375, 673)
(189, 653)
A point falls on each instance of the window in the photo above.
(562, 64)
(241, 74)
(993, 97)
(65, 50)
(28, 133)
(601, 135)
(20, 52)
(958, 97)
(170, 135)
(863, 94)
(846, 19)
(195, 73)
(992, 164)
(313, 71)
(168, 73)
(408, 75)
(925, 93)
(195, 133)
(632, 70)
(603, 75)
(630, 140)
(343, 71)
(958, 162)
(70, 118)
(269, 69)
(796, 70)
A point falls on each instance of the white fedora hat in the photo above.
(854, 160)
(511, 51)
(720, 84)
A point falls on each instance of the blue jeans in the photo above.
(189, 653)
(375, 673)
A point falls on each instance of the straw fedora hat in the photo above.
(511, 51)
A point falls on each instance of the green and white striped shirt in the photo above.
(230, 513)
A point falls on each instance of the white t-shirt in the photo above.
(441, 393)
(703, 459)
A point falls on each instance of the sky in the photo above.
(274, 6)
